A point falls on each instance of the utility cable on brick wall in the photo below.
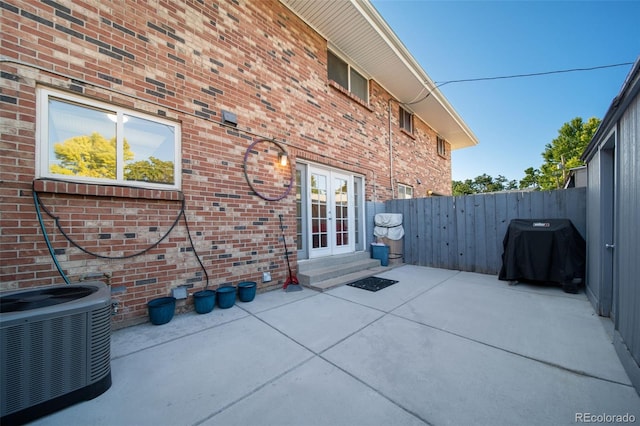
(7, 60)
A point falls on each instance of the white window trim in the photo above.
(43, 151)
(402, 185)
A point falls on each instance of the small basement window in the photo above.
(347, 77)
(88, 141)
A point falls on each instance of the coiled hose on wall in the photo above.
(39, 206)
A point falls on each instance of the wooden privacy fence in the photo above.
(466, 233)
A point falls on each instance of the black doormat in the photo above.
(372, 283)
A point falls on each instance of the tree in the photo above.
(531, 179)
(560, 155)
(563, 153)
(462, 188)
(482, 184)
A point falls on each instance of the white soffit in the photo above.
(358, 31)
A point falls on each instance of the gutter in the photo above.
(629, 90)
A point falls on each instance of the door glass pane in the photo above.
(341, 208)
(319, 211)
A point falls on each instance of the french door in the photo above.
(331, 212)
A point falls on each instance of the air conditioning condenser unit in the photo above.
(55, 345)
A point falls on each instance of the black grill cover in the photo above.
(543, 250)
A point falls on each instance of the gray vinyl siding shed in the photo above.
(613, 221)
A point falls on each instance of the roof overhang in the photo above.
(357, 31)
(630, 89)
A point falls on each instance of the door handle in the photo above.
(609, 246)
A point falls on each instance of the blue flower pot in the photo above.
(204, 301)
(226, 296)
(161, 310)
(247, 291)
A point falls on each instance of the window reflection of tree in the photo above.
(95, 156)
(89, 148)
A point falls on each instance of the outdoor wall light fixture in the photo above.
(282, 170)
(283, 159)
(229, 118)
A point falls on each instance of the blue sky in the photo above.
(514, 119)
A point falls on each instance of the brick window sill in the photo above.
(411, 135)
(349, 95)
(74, 188)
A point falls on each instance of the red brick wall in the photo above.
(185, 61)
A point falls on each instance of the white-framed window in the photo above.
(406, 120)
(442, 147)
(87, 141)
(347, 77)
(405, 191)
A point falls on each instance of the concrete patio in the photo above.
(440, 347)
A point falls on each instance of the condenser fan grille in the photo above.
(35, 299)
(100, 343)
(51, 361)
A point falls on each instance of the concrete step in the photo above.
(332, 261)
(329, 272)
(346, 279)
(321, 274)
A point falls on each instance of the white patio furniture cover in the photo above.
(388, 225)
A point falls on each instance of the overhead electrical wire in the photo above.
(534, 74)
(504, 77)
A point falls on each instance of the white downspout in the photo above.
(390, 152)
